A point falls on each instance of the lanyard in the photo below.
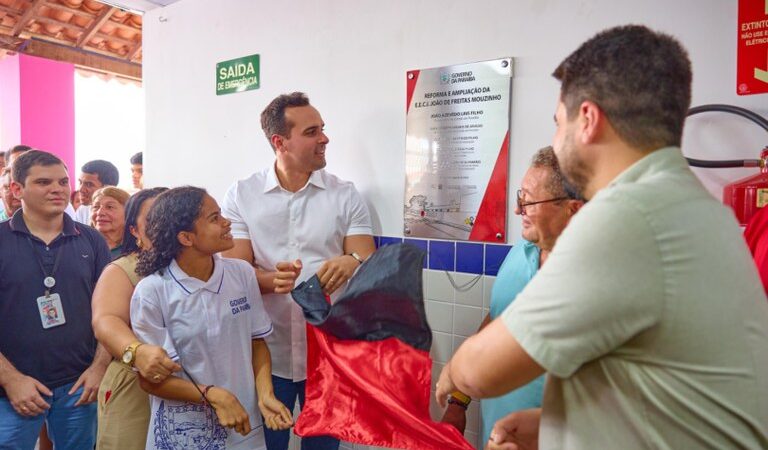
(49, 281)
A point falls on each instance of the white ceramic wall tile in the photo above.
(466, 320)
(436, 369)
(439, 316)
(457, 341)
(487, 287)
(442, 346)
(474, 295)
(438, 286)
(473, 417)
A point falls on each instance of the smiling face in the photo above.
(88, 184)
(45, 191)
(108, 215)
(212, 233)
(304, 147)
(542, 222)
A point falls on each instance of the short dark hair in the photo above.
(639, 78)
(21, 148)
(105, 170)
(138, 158)
(29, 159)
(132, 209)
(174, 211)
(273, 117)
(558, 185)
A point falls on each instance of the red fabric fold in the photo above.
(372, 393)
(756, 235)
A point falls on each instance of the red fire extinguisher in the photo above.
(748, 195)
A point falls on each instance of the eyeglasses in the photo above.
(521, 206)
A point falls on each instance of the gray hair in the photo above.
(557, 185)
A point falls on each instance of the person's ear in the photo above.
(17, 189)
(591, 121)
(277, 142)
(134, 232)
(186, 238)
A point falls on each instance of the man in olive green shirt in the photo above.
(649, 317)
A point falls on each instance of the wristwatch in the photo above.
(356, 256)
(129, 354)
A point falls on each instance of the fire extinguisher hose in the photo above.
(747, 114)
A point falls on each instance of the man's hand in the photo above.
(455, 415)
(229, 411)
(444, 386)
(90, 381)
(336, 271)
(276, 415)
(517, 431)
(24, 394)
(154, 364)
(285, 276)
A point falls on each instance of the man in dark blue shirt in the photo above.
(50, 363)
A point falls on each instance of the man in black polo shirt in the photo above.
(50, 368)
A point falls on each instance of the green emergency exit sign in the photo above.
(237, 75)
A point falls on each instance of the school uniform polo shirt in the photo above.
(206, 326)
(650, 319)
(59, 355)
(310, 225)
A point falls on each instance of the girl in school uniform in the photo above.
(207, 313)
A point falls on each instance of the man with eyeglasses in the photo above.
(649, 317)
(545, 202)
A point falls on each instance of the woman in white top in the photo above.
(207, 313)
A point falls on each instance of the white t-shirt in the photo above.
(83, 214)
(208, 328)
(310, 225)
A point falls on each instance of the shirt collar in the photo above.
(190, 285)
(18, 225)
(271, 182)
(662, 160)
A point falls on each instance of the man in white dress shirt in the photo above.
(290, 221)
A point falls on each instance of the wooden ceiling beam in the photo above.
(77, 12)
(27, 16)
(132, 54)
(79, 57)
(7, 10)
(95, 26)
(80, 12)
(52, 21)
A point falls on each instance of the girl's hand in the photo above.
(276, 415)
(228, 409)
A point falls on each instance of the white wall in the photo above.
(351, 56)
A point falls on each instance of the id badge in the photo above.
(51, 310)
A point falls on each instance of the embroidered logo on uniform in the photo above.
(239, 305)
(187, 426)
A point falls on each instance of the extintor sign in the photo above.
(237, 75)
(752, 55)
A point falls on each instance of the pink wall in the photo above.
(47, 107)
(10, 117)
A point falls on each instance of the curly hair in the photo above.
(132, 209)
(174, 211)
